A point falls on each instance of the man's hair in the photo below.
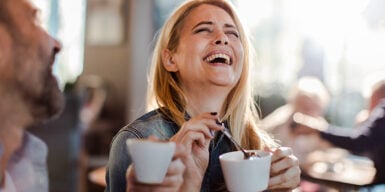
(6, 18)
(7, 21)
(4, 13)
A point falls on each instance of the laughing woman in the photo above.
(200, 77)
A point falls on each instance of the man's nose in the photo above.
(57, 46)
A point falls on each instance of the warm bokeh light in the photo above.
(332, 40)
(337, 27)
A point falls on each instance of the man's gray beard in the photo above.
(49, 101)
(44, 104)
(49, 104)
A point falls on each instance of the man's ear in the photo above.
(168, 61)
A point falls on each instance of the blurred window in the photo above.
(65, 20)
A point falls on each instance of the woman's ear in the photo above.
(168, 61)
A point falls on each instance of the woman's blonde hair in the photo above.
(165, 90)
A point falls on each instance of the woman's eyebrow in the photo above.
(203, 23)
(227, 25)
(230, 26)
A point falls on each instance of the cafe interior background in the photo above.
(106, 54)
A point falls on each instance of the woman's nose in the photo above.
(221, 38)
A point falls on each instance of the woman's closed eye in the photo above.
(233, 33)
(200, 30)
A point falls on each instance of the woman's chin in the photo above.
(225, 83)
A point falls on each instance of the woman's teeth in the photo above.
(218, 58)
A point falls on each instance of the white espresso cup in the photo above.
(151, 159)
(246, 175)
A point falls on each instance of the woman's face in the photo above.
(210, 51)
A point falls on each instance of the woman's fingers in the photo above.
(130, 178)
(191, 130)
(288, 179)
(176, 167)
(197, 126)
(146, 188)
(283, 164)
(192, 138)
(172, 181)
(284, 172)
(180, 151)
(174, 173)
(205, 124)
(281, 152)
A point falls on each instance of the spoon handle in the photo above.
(231, 138)
(228, 135)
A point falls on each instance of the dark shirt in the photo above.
(368, 139)
(156, 123)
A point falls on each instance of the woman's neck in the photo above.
(201, 101)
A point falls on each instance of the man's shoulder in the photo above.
(382, 103)
(27, 166)
(378, 111)
(8, 184)
(32, 148)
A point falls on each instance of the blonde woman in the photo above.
(200, 78)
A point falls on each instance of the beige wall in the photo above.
(141, 36)
(110, 63)
(124, 66)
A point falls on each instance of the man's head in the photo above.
(27, 54)
(378, 93)
(374, 89)
(309, 96)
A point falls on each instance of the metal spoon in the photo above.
(246, 154)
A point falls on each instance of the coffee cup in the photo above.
(150, 159)
(246, 175)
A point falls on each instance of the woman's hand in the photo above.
(284, 172)
(172, 181)
(195, 135)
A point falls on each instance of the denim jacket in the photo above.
(156, 123)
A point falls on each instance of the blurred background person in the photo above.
(373, 91)
(308, 96)
(367, 138)
(29, 95)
